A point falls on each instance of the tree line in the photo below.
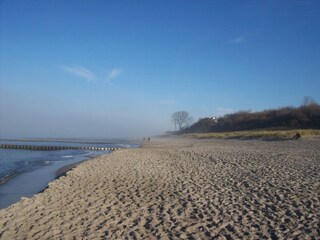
(307, 116)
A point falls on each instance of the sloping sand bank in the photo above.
(180, 189)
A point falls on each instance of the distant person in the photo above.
(148, 139)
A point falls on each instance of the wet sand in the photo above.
(180, 189)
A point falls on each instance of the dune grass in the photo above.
(258, 134)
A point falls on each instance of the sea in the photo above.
(24, 173)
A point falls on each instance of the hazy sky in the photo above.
(121, 68)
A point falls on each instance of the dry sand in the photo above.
(180, 189)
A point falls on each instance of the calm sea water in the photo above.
(29, 172)
(14, 161)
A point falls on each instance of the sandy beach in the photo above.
(180, 188)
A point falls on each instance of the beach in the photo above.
(180, 188)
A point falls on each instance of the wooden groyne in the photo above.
(52, 148)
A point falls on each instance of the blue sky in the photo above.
(121, 68)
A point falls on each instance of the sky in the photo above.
(120, 69)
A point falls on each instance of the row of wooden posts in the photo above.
(51, 148)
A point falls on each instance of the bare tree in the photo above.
(181, 120)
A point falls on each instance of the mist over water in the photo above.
(26, 116)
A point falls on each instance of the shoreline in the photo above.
(62, 172)
(180, 188)
(28, 184)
